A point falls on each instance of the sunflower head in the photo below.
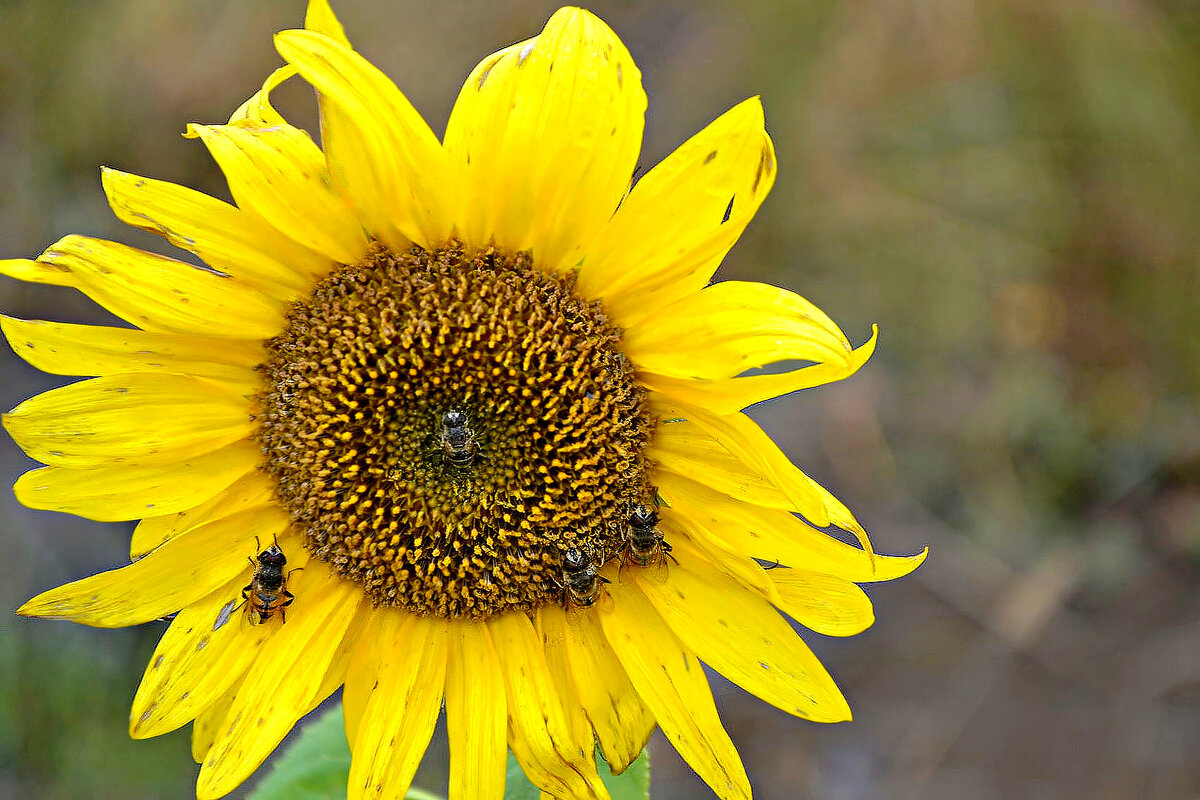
(445, 426)
(484, 401)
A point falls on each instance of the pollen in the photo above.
(444, 425)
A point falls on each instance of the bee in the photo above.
(267, 591)
(458, 441)
(644, 543)
(581, 581)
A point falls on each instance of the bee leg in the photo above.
(666, 551)
(603, 579)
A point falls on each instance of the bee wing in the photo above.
(656, 571)
(224, 614)
(604, 603)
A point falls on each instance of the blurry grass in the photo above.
(63, 704)
(1011, 189)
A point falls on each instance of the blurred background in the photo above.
(1010, 188)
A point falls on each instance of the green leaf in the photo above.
(632, 784)
(316, 766)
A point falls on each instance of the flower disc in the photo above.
(472, 518)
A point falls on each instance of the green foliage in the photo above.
(315, 767)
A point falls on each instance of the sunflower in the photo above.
(451, 422)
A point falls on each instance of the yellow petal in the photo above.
(538, 734)
(252, 490)
(278, 174)
(672, 685)
(362, 669)
(773, 535)
(135, 417)
(319, 18)
(736, 565)
(208, 722)
(225, 237)
(550, 623)
(620, 720)
(381, 153)
(729, 395)
(840, 516)
(258, 109)
(546, 134)
(684, 448)
(475, 714)
(65, 349)
(741, 454)
(744, 440)
(339, 666)
(282, 683)
(672, 231)
(401, 709)
(826, 604)
(171, 578)
(36, 272)
(117, 492)
(204, 653)
(731, 327)
(741, 636)
(157, 293)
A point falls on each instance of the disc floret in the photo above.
(444, 425)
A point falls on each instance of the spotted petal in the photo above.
(282, 684)
(546, 135)
(671, 683)
(681, 218)
(379, 149)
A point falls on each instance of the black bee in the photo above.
(267, 593)
(581, 580)
(644, 543)
(458, 442)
